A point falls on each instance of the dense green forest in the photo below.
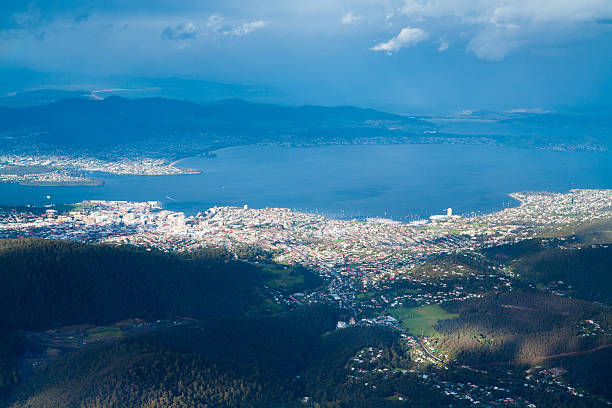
(247, 361)
(583, 269)
(12, 345)
(519, 326)
(53, 283)
(507, 253)
(263, 361)
(586, 270)
(47, 284)
(532, 329)
(590, 371)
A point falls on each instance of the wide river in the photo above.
(393, 181)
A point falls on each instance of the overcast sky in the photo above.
(421, 55)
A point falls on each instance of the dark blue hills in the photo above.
(86, 123)
(116, 120)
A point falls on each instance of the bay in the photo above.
(402, 182)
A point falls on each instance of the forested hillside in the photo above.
(224, 358)
(520, 326)
(233, 347)
(249, 362)
(229, 362)
(587, 270)
(53, 283)
(583, 269)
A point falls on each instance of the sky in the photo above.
(400, 55)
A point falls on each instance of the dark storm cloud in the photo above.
(473, 52)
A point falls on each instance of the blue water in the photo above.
(396, 181)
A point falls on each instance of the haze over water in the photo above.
(394, 181)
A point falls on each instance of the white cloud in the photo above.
(500, 12)
(215, 22)
(406, 38)
(499, 27)
(245, 28)
(350, 18)
(180, 32)
(495, 43)
(443, 45)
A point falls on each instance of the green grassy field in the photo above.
(283, 276)
(75, 207)
(420, 320)
(101, 333)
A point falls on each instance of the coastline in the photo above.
(184, 170)
(398, 191)
(92, 183)
(520, 200)
(187, 170)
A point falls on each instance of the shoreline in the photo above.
(329, 216)
(93, 183)
(210, 154)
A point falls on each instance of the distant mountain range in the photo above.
(40, 97)
(80, 123)
(172, 128)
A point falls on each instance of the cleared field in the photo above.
(290, 278)
(281, 276)
(420, 320)
(103, 333)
